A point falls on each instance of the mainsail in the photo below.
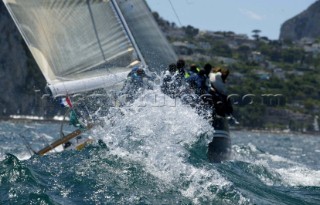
(82, 45)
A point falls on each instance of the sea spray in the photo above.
(156, 155)
(158, 138)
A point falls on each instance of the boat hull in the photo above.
(219, 149)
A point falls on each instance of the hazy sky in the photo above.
(240, 16)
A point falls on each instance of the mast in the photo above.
(124, 23)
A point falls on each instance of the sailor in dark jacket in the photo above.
(137, 79)
(197, 82)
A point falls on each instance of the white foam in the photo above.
(156, 136)
(290, 173)
(300, 176)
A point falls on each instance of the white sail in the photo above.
(155, 49)
(82, 45)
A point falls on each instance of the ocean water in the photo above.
(154, 152)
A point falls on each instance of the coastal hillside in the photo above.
(304, 25)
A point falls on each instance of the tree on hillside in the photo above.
(191, 31)
(264, 38)
(256, 34)
(156, 16)
(161, 22)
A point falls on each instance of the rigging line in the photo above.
(174, 11)
(27, 144)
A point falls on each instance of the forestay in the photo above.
(82, 45)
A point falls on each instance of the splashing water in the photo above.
(155, 154)
(157, 132)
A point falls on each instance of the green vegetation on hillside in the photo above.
(288, 72)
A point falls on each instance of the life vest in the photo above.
(190, 73)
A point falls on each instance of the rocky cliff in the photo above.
(19, 74)
(304, 25)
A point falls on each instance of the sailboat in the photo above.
(82, 46)
(85, 45)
